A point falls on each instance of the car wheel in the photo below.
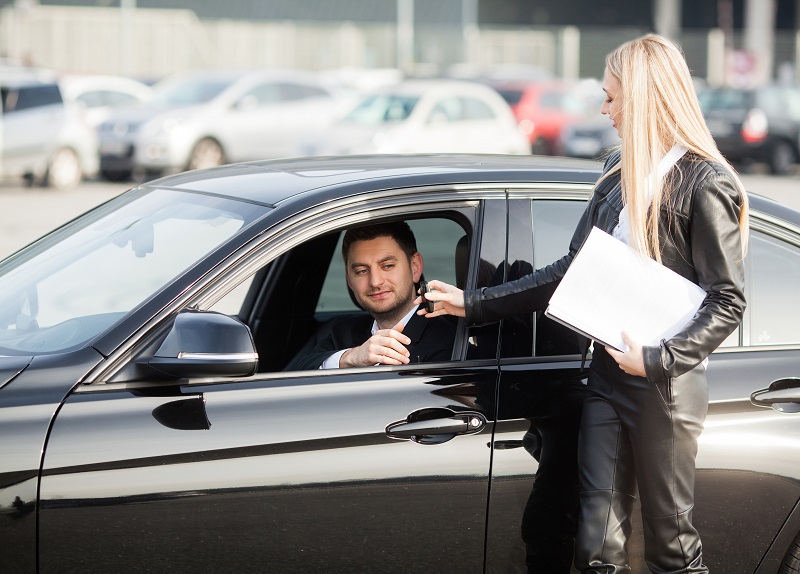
(115, 175)
(206, 153)
(791, 562)
(64, 169)
(782, 158)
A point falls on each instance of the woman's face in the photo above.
(612, 104)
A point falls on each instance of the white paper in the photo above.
(610, 287)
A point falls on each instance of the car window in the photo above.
(771, 100)
(15, 100)
(474, 109)
(447, 110)
(190, 91)
(554, 224)
(381, 108)
(63, 291)
(772, 299)
(437, 240)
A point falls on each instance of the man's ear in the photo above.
(416, 267)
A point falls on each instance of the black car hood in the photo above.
(10, 367)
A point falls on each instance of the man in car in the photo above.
(383, 269)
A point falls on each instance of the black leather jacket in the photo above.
(700, 240)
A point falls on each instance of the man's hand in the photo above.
(448, 300)
(632, 360)
(386, 347)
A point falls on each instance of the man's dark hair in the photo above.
(397, 230)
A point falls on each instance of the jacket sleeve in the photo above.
(531, 292)
(717, 258)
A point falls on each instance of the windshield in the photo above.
(190, 92)
(73, 285)
(381, 109)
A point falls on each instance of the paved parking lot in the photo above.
(27, 213)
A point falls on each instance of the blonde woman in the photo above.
(668, 193)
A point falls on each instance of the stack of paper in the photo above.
(610, 287)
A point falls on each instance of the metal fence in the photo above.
(152, 43)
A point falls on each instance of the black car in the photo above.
(149, 425)
(755, 124)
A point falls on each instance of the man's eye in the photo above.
(361, 271)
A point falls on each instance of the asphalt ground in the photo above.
(27, 213)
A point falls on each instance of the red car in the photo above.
(543, 109)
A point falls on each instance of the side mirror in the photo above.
(205, 344)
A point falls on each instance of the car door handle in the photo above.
(427, 428)
(782, 395)
(450, 425)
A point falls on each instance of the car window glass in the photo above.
(447, 110)
(554, 224)
(772, 300)
(436, 241)
(381, 108)
(476, 109)
(31, 97)
(91, 99)
(511, 96)
(772, 101)
(190, 91)
(264, 94)
(75, 284)
(793, 103)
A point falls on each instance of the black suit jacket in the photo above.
(431, 339)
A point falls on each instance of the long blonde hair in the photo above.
(659, 109)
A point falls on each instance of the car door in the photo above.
(32, 118)
(310, 471)
(533, 492)
(747, 472)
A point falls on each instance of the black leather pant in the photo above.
(635, 434)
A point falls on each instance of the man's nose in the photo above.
(376, 278)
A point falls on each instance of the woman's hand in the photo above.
(448, 300)
(632, 360)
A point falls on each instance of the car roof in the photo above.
(317, 179)
(272, 182)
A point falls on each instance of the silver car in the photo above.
(43, 139)
(206, 119)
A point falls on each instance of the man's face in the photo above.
(382, 277)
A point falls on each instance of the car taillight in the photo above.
(754, 128)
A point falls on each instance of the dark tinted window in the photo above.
(725, 100)
(511, 96)
(18, 99)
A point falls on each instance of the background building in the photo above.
(726, 41)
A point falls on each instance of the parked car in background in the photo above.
(589, 138)
(758, 124)
(543, 109)
(422, 116)
(205, 119)
(44, 139)
(150, 424)
(101, 95)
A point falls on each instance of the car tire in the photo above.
(791, 562)
(206, 153)
(116, 174)
(782, 158)
(63, 169)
